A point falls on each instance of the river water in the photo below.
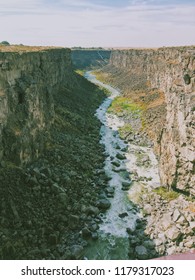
(113, 237)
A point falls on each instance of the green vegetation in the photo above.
(125, 130)
(80, 72)
(166, 194)
(124, 106)
(101, 76)
(106, 91)
(4, 43)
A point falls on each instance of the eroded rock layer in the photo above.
(164, 81)
(28, 81)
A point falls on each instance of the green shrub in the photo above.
(166, 194)
(5, 43)
(126, 106)
(125, 130)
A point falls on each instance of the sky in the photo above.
(98, 23)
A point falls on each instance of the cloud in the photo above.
(38, 7)
(98, 23)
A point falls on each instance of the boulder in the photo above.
(92, 210)
(62, 198)
(120, 156)
(125, 149)
(104, 204)
(176, 215)
(94, 235)
(189, 244)
(173, 233)
(94, 227)
(76, 251)
(53, 239)
(123, 215)
(141, 252)
(187, 79)
(126, 186)
(86, 233)
(148, 209)
(192, 226)
(149, 244)
(171, 251)
(73, 221)
(116, 163)
(130, 230)
(110, 190)
(182, 220)
(161, 249)
(166, 221)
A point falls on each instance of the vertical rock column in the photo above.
(28, 81)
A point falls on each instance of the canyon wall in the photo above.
(84, 58)
(29, 78)
(164, 81)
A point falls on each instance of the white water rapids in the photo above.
(113, 238)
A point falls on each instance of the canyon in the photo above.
(54, 187)
(163, 80)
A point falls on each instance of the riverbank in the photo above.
(169, 216)
(121, 232)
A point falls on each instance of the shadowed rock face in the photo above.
(46, 203)
(28, 80)
(90, 58)
(171, 121)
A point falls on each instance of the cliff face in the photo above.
(45, 106)
(28, 81)
(90, 58)
(171, 109)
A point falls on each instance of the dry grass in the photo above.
(2, 93)
(16, 48)
(101, 76)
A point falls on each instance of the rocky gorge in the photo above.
(163, 80)
(157, 103)
(78, 174)
(51, 158)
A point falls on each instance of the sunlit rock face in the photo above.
(28, 80)
(172, 71)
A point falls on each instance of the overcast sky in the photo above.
(105, 23)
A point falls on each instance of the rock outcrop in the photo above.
(28, 80)
(164, 80)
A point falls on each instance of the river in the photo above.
(122, 215)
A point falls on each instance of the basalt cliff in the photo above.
(50, 155)
(28, 80)
(90, 58)
(163, 81)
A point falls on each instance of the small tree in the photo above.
(5, 43)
